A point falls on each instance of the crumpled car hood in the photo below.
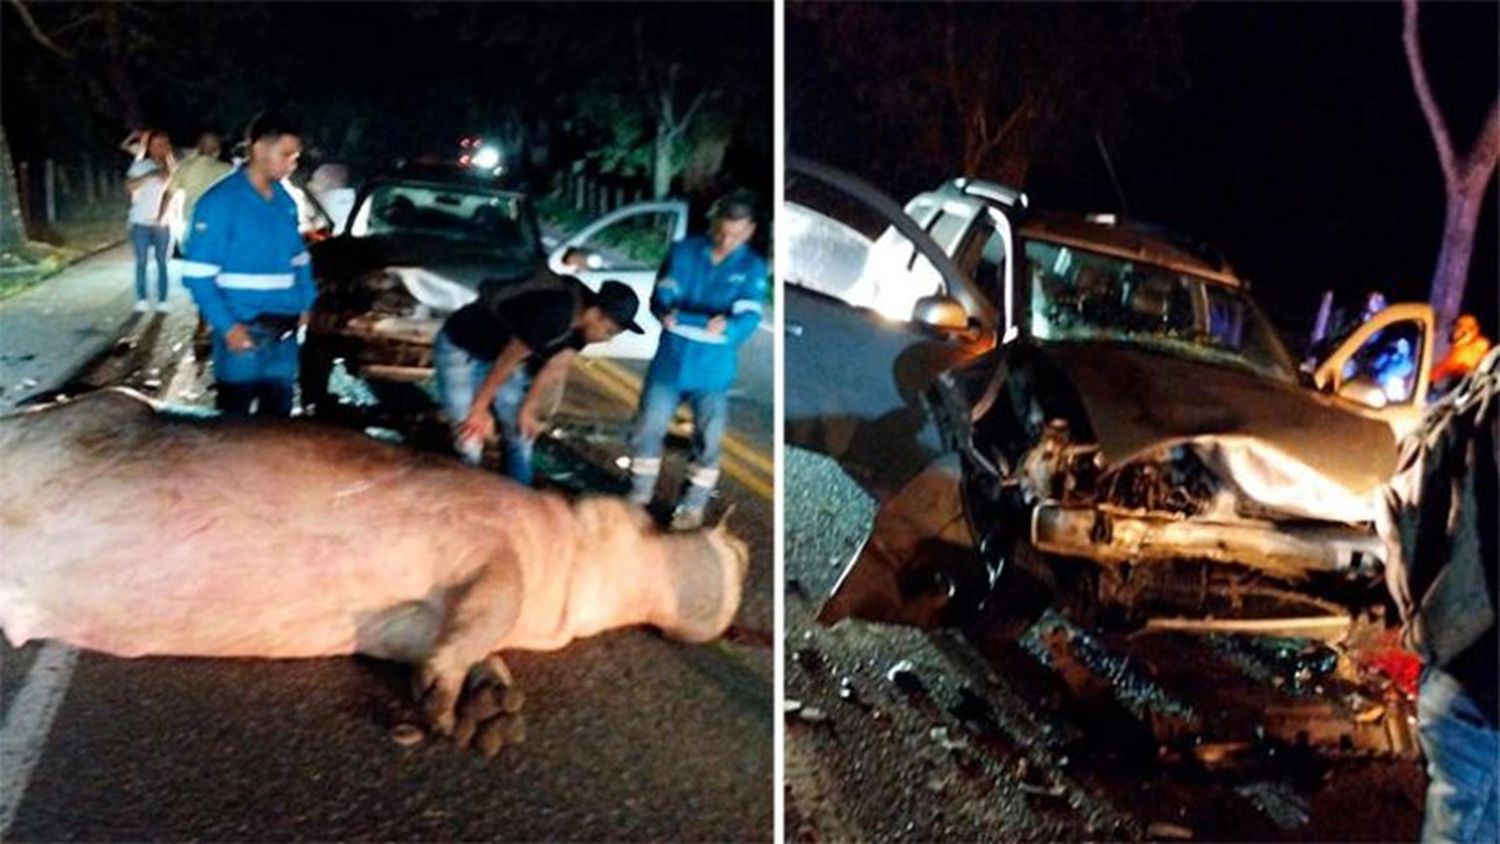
(345, 258)
(1263, 434)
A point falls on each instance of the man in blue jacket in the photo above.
(708, 299)
(250, 273)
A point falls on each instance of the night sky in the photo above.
(1298, 148)
(415, 76)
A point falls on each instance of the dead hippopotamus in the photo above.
(133, 532)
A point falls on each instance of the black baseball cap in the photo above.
(618, 302)
(735, 205)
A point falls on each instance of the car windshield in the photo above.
(1077, 294)
(496, 221)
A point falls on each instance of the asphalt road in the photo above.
(630, 736)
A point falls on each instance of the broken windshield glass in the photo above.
(1081, 295)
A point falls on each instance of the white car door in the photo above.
(1384, 367)
(629, 245)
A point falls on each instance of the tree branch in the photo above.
(1480, 164)
(951, 60)
(1411, 40)
(669, 95)
(37, 33)
(991, 142)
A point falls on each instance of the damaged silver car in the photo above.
(421, 241)
(1054, 408)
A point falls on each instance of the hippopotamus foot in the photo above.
(483, 712)
(489, 711)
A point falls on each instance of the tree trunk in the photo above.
(661, 166)
(1466, 180)
(1451, 276)
(114, 68)
(12, 224)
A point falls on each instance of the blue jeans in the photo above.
(659, 403)
(1463, 763)
(459, 377)
(143, 239)
(266, 374)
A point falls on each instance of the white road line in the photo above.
(23, 736)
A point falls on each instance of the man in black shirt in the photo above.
(499, 357)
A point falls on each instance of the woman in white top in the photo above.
(146, 180)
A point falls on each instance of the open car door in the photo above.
(858, 389)
(629, 244)
(1383, 367)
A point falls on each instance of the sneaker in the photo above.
(164, 307)
(142, 306)
(687, 518)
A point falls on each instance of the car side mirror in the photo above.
(578, 258)
(940, 312)
(1364, 391)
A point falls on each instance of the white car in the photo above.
(421, 240)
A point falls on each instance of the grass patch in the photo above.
(55, 247)
(35, 263)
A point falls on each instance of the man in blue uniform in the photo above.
(250, 273)
(709, 302)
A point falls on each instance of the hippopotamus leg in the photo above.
(480, 613)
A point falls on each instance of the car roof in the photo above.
(1131, 239)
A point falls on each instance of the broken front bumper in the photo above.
(380, 347)
(1289, 550)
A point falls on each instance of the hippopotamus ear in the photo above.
(722, 528)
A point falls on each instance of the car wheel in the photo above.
(1022, 587)
(1022, 582)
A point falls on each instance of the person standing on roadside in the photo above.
(193, 177)
(708, 299)
(250, 274)
(146, 182)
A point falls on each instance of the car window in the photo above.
(491, 220)
(821, 252)
(982, 258)
(900, 275)
(842, 247)
(634, 242)
(948, 228)
(1389, 360)
(1077, 294)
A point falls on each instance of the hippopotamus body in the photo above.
(133, 532)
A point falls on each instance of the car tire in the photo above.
(1022, 582)
(1022, 588)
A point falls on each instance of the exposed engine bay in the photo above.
(1205, 533)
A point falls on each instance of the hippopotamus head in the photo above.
(700, 574)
